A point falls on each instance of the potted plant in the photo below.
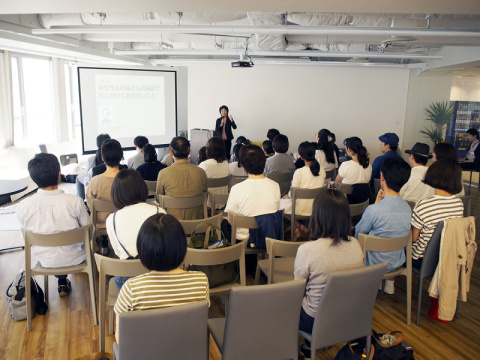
(440, 114)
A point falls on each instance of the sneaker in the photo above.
(64, 290)
(390, 286)
(305, 351)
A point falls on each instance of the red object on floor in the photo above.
(433, 312)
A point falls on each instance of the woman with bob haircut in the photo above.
(332, 250)
(150, 169)
(447, 151)
(358, 170)
(129, 195)
(445, 177)
(162, 247)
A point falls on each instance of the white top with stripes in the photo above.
(153, 291)
(427, 213)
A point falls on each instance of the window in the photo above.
(71, 95)
(32, 94)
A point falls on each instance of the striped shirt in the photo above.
(153, 291)
(427, 213)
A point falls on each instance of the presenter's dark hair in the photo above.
(272, 133)
(128, 188)
(473, 132)
(280, 144)
(396, 172)
(445, 174)
(355, 144)
(98, 155)
(180, 147)
(445, 151)
(149, 153)
(140, 141)
(252, 159)
(44, 169)
(112, 152)
(161, 243)
(330, 216)
(307, 151)
(236, 150)
(325, 143)
(268, 147)
(216, 149)
(223, 107)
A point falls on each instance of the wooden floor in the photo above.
(67, 331)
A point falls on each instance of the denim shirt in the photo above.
(389, 218)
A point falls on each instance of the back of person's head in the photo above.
(180, 147)
(280, 144)
(396, 172)
(236, 150)
(325, 144)
(330, 216)
(445, 151)
(225, 107)
(268, 147)
(252, 159)
(242, 140)
(140, 141)
(307, 151)
(44, 169)
(128, 188)
(445, 174)
(161, 243)
(216, 149)
(420, 159)
(112, 152)
(149, 153)
(271, 133)
(355, 144)
(473, 132)
(101, 138)
(202, 155)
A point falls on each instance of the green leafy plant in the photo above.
(440, 114)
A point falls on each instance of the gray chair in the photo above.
(247, 222)
(346, 189)
(189, 226)
(429, 263)
(168, 202)
(177, 332)
(296, 194)
(100, 206)
(234, 180)
(358, 209)
(375, 243)
(262, 322)
(376, 186)
(152, 187)
(330, 175)
(279, 266)
(284, 180)
(112, 267)
(79, 235)
(217, 198)
(345, 310)
(467, 205)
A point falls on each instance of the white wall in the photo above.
(300, 100)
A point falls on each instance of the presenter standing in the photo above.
(224, 126)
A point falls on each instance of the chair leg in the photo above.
(28, 290)
(456, 310)
(409, 299)
(111, 322)
(45, 287)
(368, 346)
(383, 289)
(257, 275)
(419, 301)
(93, 297)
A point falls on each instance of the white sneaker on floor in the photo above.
(389, 286)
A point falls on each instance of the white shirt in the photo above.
(253, 197)
(136, 160)
(354, 173)
(51, 212)
(214, 169)
(322, 159)
(234, 170)
(415, 189)
(127, 224)
(304, 179)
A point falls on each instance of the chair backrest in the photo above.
(101, 206)
(168, 202)
(240, 221)
(376, 186)
(190, 225)
(234, 180)
(280, 177)
(346, 189)
(298, 193)
(141, 335)
(346, 307)
(376, 243)
(262, 321)
(218, 182)
(330, 174)
(358, 209)
(152, 187)
(219, 256)
(75, 236)
(467, 205)
(116, 267)
(280, 248)
(432, 251)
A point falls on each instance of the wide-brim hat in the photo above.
(421, 150)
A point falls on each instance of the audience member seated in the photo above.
(389, 217)
(138, 159)
(325, 153)
(281, 162)
(202, 155)
(162, 247)
(472, 159)
(150, 169)
(182, 179)
(271, 133)
(388, 146)
(94, 160)
(100, 186)
(51, 211)
(257, 195)
(331, 251)
(235, 168)
(445, 177)
(129, 195)
(268, 148)
(311, 176)
(241, 140)
(167, 160)
(447, 151)
(416, 189)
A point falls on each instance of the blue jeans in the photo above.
(306, 324)
(120, 280)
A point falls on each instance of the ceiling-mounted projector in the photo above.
(242, 62)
